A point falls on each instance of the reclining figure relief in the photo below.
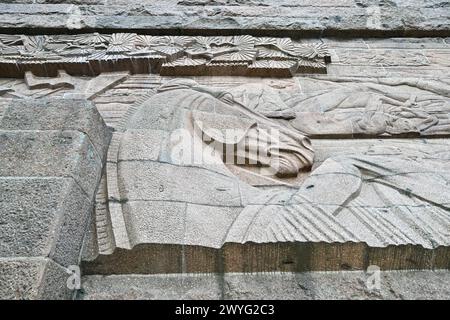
(192, 165)
(372, 107)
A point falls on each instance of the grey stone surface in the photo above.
(33, 278)
(147, 144)
(364, 106)
(165, 218)
(264, 257)
(49, 171)
(280, 286)
(385, 195)
(342, 17)
(140, 53)
(50, 153)
(164, 287)
(339, 285)
(168, 181)
(44, 217)
(60, 115)
(208, 225)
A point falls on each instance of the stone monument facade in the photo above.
(212, 149)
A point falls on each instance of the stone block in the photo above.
(338, 285)
(164, 287)
(353, 285)
(58, 114)
(33, 278)
(44, 217)
(50, 154)
(272, 18)
(143, 259)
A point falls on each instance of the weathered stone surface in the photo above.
(61, 115)
(50, 153)
(168, 184)
(33, 278)
(139, 53)
(373, 195)
(164, 287)
(147, 142)
(344, 106)
(407, 285)
(165, 218)
(48, 178)
(212, 17)
(208, 225)
(265, 257)
(338, 285)
(44, 217)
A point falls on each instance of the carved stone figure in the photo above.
(363, 192)
(224, 149)
(373, 108)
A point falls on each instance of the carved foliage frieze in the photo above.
(91, 54)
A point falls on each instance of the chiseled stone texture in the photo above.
(166, 287)
(394, 285)
(50, 164)
(339, 285)
(32, 278)
(58, 114)
(43, 217)
(50, 154)
(262, 17)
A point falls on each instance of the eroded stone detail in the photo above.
(51, 156)
(340, 106)
(91, 54)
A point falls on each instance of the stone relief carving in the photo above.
(91, 54)
(378, 192)
(317, 107)
(352, 107)
(360, 191)
(371, 107)
(63, 85)
(382, 57)
(230, 124)
(377, 198)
